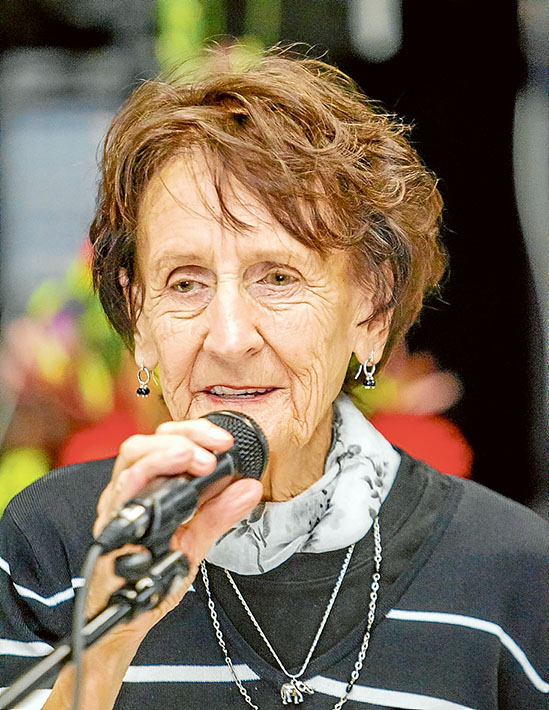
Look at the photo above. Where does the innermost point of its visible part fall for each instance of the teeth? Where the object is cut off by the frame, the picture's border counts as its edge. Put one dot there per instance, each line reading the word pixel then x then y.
pixel 225 391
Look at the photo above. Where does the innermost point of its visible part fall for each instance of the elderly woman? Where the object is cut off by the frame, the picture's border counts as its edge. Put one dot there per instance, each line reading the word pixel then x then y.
pixel 255 230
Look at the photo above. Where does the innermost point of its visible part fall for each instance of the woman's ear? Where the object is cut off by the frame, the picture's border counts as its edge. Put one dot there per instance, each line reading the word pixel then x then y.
pixel 371 336
pixel 373 325
pixel 145 352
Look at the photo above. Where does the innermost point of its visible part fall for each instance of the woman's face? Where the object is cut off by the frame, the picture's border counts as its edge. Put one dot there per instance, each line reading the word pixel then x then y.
pixel 253 322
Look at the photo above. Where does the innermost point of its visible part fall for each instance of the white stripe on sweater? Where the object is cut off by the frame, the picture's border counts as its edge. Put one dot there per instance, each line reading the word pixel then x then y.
pixel 4 565
pixel 188 674
pixel 55 599
pixel 383 696
pixel 8 647
pixel 34 701
pixel 221 674
pixel 471 622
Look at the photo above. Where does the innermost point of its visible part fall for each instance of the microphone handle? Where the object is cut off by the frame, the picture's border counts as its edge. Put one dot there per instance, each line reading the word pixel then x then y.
pixel 167 503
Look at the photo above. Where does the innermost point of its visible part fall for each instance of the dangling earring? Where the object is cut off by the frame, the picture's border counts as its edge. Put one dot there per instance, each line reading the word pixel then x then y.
pixel 143 377
pixel 368 369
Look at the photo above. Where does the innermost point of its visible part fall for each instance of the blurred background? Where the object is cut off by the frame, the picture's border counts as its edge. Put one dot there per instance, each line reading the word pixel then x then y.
pixel 469 391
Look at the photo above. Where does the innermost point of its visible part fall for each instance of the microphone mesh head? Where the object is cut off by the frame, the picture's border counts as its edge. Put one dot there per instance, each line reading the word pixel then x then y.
pixel 249 441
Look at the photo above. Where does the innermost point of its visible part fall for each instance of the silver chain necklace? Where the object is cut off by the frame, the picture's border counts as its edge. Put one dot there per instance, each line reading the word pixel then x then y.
pixel 294 690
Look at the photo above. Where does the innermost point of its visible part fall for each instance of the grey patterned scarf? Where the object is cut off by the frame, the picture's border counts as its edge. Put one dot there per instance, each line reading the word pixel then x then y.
pixel 334 512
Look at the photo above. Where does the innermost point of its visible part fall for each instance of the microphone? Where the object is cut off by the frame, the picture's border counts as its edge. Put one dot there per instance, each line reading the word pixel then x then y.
pixel 155 513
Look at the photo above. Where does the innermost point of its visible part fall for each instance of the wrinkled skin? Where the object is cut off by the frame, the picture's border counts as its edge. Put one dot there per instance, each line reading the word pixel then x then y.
pixel 256 309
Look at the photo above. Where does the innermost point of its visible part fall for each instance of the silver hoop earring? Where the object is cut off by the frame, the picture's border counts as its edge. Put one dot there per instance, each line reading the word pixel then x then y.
pixel 143 377
pixel 367 370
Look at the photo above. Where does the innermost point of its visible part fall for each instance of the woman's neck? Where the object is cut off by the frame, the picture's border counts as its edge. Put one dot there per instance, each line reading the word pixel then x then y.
pixel 293 470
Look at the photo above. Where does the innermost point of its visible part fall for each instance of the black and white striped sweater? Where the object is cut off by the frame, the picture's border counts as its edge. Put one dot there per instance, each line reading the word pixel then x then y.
pixel 460 621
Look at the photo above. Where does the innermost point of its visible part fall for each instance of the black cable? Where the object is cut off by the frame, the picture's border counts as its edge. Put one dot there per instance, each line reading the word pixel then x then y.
pixel 79 620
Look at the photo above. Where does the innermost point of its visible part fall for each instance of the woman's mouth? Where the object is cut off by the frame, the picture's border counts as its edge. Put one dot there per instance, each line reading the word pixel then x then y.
pixel 225 392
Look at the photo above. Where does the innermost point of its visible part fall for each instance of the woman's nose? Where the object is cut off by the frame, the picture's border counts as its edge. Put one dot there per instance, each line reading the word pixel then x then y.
pixel 232 328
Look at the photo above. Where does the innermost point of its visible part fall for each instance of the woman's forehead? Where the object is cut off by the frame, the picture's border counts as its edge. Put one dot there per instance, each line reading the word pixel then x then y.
pixel 184 189
pixel 181 209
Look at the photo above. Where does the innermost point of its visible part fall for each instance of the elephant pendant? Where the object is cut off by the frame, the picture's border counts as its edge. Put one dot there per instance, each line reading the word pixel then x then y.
pixel 293 691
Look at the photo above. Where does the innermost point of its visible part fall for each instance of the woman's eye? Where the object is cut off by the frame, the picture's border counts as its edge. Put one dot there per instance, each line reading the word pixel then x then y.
pixel 185 286
pixel 276 278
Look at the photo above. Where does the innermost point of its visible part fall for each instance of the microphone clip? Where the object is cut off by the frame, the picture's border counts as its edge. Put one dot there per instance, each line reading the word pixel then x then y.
pixel 149 578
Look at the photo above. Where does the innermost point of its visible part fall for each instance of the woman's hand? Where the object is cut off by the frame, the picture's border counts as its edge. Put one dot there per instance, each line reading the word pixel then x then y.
pixel 175 448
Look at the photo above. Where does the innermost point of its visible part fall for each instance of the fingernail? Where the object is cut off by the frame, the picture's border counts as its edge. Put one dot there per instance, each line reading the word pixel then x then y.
pixel 221 435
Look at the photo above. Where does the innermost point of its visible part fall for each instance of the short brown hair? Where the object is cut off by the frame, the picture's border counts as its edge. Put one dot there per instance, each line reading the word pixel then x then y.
pixel 329 165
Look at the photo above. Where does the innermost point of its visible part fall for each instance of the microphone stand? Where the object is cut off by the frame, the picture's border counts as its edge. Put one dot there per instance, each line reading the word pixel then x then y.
pixel 149 577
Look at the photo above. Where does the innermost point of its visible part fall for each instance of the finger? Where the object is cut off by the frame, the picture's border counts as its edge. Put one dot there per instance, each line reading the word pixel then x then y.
pixel 201 431
pixel 174 460
pixel 138 446
pixel 189 459
pixel 217 516
pixel 171 455
pixel 123 488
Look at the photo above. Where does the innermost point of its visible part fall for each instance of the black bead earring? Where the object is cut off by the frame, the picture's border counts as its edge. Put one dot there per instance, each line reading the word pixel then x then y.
pixel 143 377
pixel 367 370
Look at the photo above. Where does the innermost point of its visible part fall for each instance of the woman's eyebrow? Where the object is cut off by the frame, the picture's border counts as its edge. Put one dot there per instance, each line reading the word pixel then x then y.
pixel 279 254
pixel 260 255
pixel 163 261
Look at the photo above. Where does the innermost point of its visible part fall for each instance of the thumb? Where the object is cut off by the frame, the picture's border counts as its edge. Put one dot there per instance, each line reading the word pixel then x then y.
pixel 217 516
